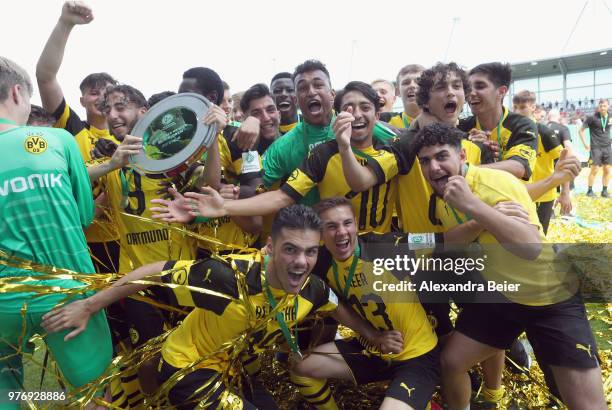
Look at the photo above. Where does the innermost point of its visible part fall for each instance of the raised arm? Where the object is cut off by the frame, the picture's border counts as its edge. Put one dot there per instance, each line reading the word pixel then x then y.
pixel 359 178
pixel 73 13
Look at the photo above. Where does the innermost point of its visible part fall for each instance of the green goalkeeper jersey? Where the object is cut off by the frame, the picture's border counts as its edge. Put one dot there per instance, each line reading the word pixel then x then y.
pixel 45 201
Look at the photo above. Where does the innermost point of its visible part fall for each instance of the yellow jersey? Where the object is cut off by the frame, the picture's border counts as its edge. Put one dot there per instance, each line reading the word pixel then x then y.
pixel 542 281
pixel 240 168
pixel 102 229
pixel 323 170
pixel 223 313
pixel 142 242
pixel 516 135
pixel 549 150
pixel 368 301
pixel 415 209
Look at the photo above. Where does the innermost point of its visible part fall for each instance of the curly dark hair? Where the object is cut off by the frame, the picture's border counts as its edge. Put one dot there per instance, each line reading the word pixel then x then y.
pixel 436 134
pixel 435 74
pixel 130 93
pixel 361 87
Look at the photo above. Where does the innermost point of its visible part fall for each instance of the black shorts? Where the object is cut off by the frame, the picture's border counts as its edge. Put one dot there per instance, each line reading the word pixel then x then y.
pixel 413 381
pixel 147 321
pixel 560 333
pixel 545 210
pixel 601 155
pixel 439 317
pixel 182 396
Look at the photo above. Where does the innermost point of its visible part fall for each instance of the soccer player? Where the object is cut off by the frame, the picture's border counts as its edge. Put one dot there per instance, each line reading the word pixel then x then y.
pixel 549 150
pixel 234 320
pixel 260 103
pixel 386 93
pixel 128 193
pixel 157 97
pixel 283 91
pixel 226 165
pixel 322 169
pixel 562 132
pixel 39 117
pixel 441 94
pixel 600 146
pixel 315 99
pixel 407 85
pixel 413 371
pixel 91 135
pixel 227 104
pixel 547 308
pixel 46 201
pixel 515 135
pixel 539 114
pixel 237 113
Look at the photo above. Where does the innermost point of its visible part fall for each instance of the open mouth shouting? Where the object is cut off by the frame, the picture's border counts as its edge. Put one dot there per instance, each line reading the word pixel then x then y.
pixel 283 105
pixel 344 248
pixel 450 107
pixel 315 107
pixel 343 245
pixel 440 183
pixel 296 278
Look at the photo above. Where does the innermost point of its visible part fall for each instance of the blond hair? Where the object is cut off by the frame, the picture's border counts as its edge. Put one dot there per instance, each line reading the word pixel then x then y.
pixel 12 74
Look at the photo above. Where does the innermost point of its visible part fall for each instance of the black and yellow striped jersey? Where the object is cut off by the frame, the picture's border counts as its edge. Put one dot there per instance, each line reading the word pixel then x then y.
pixel 404 314
pixel 414 192
pixel 230 301
pixel 323 169
pixel 102 228
pixel 142 241
pixel 549 150
pixel 238 167
pixel 397 119
pixel 516 135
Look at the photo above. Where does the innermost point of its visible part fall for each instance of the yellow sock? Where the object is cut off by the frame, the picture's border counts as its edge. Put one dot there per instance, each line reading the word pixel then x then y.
pixel 315 392
pixel 493 395
pixel 119 397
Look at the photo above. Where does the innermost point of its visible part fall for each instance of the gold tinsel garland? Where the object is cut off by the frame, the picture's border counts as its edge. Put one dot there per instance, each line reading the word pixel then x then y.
pixel 522 390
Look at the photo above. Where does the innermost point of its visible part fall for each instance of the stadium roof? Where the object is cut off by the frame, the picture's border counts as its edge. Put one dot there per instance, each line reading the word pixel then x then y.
pixel 558 65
